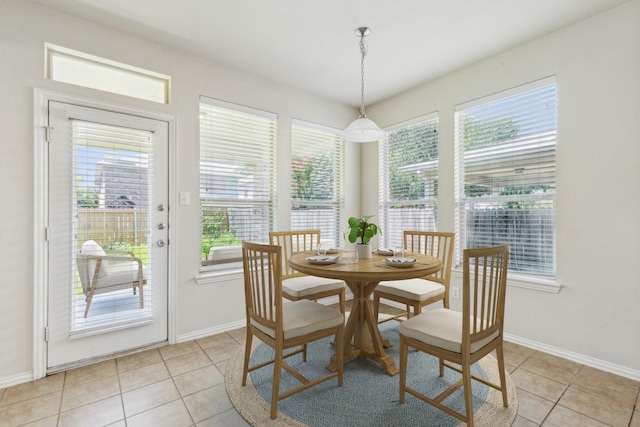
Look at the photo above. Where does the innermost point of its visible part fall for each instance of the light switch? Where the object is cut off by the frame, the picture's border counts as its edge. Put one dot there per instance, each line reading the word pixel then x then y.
pixel 184 198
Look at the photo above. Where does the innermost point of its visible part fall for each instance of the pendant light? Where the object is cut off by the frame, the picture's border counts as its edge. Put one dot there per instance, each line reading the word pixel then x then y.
pixel 363 129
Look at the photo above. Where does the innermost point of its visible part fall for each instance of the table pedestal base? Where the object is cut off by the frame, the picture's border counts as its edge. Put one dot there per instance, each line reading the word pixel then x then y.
pixel 361 336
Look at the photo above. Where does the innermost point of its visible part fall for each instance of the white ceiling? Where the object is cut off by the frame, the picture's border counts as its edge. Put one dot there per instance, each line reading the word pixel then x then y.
pixel 311 44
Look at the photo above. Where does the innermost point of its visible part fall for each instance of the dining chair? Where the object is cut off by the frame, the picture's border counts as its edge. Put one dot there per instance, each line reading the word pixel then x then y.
pixel 103 271
pixel 296 285
pixel 283 326
pixel 463 337
pixel 417 293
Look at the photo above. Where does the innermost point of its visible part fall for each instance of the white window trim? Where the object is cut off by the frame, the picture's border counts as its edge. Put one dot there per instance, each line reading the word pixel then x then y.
pixel 220 276
pixel 164 80
pixel 505 93
pixel 312 125
pixel 384 192
pixel 212 274
pixel 521 280
pixel 411 122
pixel 524 282
pixel 340 199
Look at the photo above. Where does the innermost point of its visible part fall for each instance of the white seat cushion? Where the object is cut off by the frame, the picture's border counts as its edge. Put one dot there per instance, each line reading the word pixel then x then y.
pixel 121 272
pixel 413 289
pixel 441 328
pixel 114 275
pixel 90 247
pixel 302 286
pixel 303 317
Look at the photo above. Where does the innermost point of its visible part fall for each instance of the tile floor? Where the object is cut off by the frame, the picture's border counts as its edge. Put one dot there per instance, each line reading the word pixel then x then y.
pixel 183 385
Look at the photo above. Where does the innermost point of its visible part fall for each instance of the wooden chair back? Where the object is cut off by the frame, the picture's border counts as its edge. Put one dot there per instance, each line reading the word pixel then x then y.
pixel 263 285
pixel 483 293
pixel 291 242
pixel 437 244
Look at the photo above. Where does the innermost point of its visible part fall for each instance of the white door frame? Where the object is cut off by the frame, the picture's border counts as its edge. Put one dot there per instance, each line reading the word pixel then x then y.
pixel 41 174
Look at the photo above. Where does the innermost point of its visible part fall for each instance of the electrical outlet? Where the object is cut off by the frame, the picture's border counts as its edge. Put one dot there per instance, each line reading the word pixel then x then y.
pixel 455 293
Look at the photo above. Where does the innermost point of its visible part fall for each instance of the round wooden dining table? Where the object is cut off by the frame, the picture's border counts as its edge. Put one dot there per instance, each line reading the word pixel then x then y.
pixel 362 337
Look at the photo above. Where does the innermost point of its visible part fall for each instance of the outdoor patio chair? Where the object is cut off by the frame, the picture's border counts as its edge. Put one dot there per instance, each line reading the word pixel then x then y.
pixel 103 271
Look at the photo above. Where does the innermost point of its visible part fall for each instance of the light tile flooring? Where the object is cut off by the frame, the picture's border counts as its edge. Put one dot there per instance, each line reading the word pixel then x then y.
pixel 183 385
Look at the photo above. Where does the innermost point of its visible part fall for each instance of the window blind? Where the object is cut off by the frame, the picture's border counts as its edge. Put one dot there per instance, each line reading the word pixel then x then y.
pixel 506 175
pixel 112 198
pixel 408 179
pixel 317 173
pixel 237 178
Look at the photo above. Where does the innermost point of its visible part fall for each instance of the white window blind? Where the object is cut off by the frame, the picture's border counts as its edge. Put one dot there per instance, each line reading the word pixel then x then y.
pixel 408 179
pixel 237 179
pixel 317 171
pixel 506 175
pixel 112 200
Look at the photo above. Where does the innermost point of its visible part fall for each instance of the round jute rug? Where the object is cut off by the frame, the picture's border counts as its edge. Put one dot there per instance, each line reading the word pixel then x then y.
pixel 343 404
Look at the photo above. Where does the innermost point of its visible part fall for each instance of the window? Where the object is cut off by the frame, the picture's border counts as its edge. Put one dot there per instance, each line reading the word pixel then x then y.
pixel 78 68
pixel 408 186
pixel 237 179
pixel 506 175
pixel 317 165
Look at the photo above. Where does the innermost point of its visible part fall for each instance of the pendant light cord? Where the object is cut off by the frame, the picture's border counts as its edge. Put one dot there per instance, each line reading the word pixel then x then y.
pixel 363 52
pixel 363 129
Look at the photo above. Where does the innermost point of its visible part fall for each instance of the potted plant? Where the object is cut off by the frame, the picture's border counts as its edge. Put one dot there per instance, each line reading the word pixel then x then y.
pixel 361 230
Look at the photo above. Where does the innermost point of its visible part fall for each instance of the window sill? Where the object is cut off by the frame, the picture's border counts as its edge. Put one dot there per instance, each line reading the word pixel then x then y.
pixel 211 277
pixel 524 282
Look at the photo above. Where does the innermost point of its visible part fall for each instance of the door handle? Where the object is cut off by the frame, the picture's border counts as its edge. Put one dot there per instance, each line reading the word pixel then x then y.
pixel 160 243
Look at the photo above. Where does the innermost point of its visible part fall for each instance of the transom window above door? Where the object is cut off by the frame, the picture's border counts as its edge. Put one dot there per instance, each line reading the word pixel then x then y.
pixel 83 69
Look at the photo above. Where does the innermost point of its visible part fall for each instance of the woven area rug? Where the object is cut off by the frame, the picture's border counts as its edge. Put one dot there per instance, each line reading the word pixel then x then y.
pixel 369 397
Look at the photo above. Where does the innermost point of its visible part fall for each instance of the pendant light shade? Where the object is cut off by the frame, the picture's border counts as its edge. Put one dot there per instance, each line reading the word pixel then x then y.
pixel 363 129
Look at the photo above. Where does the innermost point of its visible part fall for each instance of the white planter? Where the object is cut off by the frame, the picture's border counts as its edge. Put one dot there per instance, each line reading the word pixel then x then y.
pixel 363 250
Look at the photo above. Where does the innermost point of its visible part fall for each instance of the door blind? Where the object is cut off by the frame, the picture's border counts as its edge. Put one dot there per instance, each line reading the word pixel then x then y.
pixel 111 201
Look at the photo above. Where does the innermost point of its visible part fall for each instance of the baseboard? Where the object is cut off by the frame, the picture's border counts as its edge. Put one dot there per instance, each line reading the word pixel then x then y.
pixel 566 354
pixel 576 357
pixel 241 323
pixel 211 331
pixel 25 377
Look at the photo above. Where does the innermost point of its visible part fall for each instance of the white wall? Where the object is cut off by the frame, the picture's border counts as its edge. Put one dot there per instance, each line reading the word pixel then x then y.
pixel 24 29
pixel 596 315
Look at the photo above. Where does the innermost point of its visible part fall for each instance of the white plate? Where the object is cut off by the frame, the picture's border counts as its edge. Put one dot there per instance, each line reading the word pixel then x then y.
pixel 385 251
pixel 323 259
pixel 400 262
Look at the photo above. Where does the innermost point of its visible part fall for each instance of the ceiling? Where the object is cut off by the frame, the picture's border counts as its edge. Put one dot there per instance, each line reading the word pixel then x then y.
pixel 311 44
